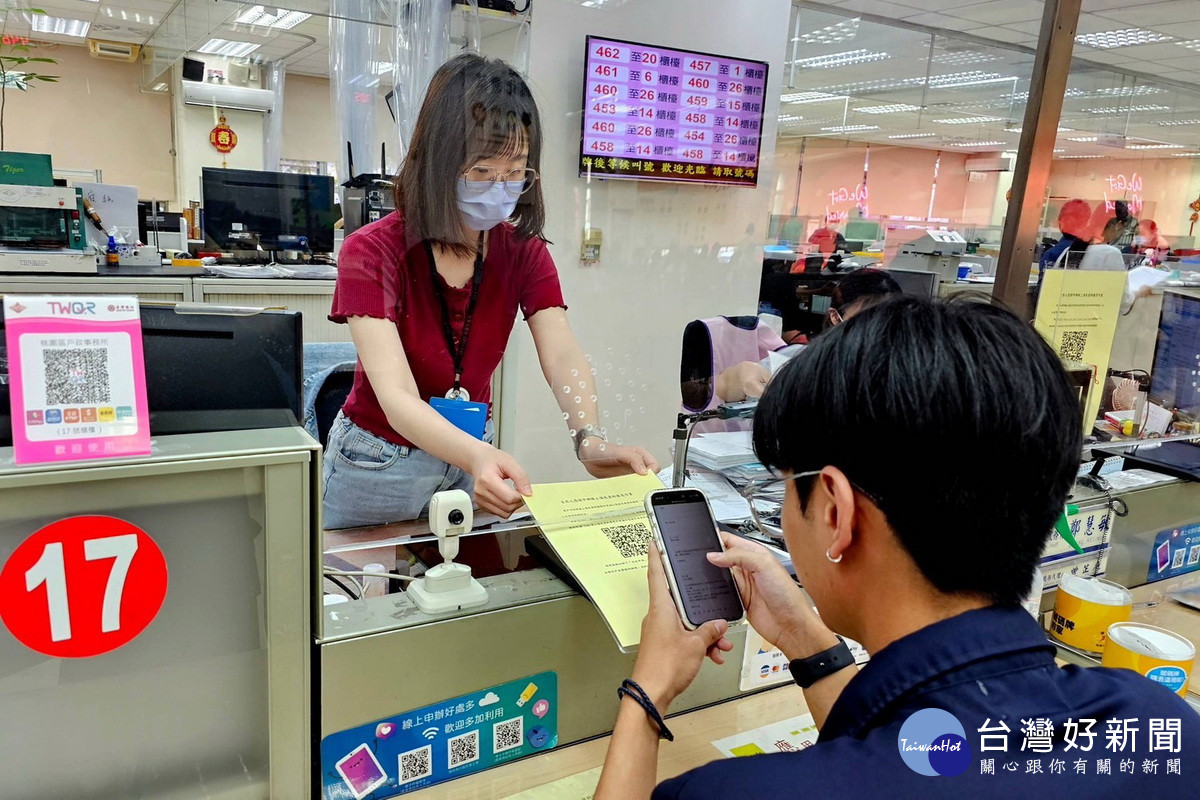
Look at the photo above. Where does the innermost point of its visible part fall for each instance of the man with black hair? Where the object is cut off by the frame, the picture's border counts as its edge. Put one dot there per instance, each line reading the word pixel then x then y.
pixel 921 481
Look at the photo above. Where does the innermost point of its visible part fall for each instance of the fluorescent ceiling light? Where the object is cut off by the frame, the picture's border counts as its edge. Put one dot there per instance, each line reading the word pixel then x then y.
pixel 958 59
pixel 1185 155
pixel 1125 37
pixel 1078 157
pixel 1169 122
pixel 977 144
pixel 225 47
pixel 275 18
pixel 1191 44
pixel 972 78
pixel 65 27
pixel 966 120
pixel 1083 138
pixel 912 135
pixel 891 108
pixel 1126 91
pixel 796 98
pixel 1019 128
pixel 1125 109
pixel 850 128
pixel 1060 150
pixel 790 118
pixel 1153 146
pixel 842 59
pixel 831 34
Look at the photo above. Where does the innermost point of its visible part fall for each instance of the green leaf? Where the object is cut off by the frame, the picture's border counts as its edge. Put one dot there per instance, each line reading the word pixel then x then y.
pixel 43 60
pixel 21 86
pixel 48 78
pixel 35 11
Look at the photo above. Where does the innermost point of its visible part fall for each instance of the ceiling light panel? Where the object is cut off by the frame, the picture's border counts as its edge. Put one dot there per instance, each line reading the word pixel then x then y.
pixel 850 128
pixel 977 144
pixel 831 34
pixel 1185 155
pixel 1172 122
pixel 971 78
pixel 913 135
pixel 961 58
pixel 842 59
pixel 966 120
pixel 1114 110
pixel 275 18
pixel 1083 138
pixel 891 108
pixel 64 27
pixel 1127 91
pixel 1076 158
pixel 1126 37
pixel 227 48
pixel 1191 44
pixel 1153 146
pixel 795 98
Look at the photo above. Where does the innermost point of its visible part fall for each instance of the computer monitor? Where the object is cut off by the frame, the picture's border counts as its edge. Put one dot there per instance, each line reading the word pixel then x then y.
pixel 921 284
pixel 209 371
pixel 252 210
pixel 865 229
pixel 1176 371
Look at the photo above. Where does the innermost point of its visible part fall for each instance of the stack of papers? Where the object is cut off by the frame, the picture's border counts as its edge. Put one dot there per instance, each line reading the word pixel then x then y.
pixel 724 450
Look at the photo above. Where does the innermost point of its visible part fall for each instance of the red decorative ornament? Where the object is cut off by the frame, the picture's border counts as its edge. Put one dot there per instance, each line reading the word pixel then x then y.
pixel 222 137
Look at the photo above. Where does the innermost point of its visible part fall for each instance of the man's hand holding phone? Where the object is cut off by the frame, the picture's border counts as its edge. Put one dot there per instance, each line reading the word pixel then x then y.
pixel 670 655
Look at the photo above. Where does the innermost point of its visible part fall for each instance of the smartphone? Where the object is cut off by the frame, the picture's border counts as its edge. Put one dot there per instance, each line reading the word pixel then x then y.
pixel 685 532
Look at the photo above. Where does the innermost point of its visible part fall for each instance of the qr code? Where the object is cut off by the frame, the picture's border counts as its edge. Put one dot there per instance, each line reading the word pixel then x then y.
pixel 76 376
pixel 508 734
pixel 464 749
pixel 416 764
pixel 630 540
pixel 1071 347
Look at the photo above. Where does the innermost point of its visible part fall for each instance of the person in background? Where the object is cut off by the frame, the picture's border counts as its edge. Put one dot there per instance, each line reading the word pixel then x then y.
pixel 1151 241
pixel 1073 222
pixel 856 291
pixel 988 424
pixel 1124 227
pixel 431 293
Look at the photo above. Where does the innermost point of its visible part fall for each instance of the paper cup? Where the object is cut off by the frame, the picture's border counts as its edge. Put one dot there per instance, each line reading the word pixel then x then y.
pixel 1084 608
pixel 1161 655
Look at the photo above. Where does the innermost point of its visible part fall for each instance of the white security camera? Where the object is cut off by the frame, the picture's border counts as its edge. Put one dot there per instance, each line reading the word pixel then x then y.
pixel 450 516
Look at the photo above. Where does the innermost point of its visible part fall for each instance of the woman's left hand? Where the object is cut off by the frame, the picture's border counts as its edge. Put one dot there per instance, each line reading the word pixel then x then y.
pixel 604 460
pixel 669 655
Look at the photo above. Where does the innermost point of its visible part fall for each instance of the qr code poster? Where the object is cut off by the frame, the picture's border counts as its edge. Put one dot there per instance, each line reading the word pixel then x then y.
pixel 443 741
pixel 77 378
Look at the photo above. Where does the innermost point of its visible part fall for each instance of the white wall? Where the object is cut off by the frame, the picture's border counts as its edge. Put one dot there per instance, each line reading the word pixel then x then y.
pixel 659 267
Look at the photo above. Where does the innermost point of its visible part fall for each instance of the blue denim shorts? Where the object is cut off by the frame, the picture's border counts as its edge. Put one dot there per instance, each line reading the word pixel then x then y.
pixel 371 481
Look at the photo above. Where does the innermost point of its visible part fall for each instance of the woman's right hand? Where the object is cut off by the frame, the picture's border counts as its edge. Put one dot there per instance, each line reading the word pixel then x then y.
pixel 492 468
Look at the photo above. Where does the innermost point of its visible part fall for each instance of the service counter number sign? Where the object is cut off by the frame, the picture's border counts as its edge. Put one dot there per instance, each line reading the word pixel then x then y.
pixel 82 586
pixel 443 741
pixel 77 378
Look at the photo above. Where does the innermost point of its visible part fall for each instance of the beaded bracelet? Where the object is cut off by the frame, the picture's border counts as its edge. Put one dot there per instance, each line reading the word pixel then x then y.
pixel 629 688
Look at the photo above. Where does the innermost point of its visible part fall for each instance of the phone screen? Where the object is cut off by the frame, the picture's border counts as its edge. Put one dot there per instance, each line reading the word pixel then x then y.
pixel 689 533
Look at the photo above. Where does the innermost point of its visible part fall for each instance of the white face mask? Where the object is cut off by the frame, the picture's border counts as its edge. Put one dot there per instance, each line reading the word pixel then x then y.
pixel 486 209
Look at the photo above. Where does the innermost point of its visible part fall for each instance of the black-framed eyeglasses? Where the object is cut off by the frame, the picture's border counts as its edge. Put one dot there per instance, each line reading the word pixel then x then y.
pixel 756 489
pixel 516 182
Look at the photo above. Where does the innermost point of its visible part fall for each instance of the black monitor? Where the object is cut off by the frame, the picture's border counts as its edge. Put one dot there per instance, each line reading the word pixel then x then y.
pixel 252 210
pixel 193 70
pixel 915 282
pixel 210 371
pixel 1175 378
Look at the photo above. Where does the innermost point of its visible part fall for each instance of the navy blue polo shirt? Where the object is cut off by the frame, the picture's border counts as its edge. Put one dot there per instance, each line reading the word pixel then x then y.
pixel 1024 727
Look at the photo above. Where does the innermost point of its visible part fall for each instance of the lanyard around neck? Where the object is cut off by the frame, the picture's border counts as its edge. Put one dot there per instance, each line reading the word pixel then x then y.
pixel 457 352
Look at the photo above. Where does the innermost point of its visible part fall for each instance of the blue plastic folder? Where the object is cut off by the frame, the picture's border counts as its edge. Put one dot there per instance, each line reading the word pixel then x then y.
pixel 466 416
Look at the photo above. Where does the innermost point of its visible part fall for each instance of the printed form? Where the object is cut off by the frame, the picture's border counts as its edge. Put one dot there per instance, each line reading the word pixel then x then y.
pixel 600 530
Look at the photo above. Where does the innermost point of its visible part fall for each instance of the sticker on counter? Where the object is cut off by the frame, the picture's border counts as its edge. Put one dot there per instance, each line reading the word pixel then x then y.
pixel 1176 551
pixel 443 741
pixel 78 378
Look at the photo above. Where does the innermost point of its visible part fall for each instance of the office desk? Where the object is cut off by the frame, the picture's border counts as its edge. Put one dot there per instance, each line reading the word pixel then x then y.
pixel 695 731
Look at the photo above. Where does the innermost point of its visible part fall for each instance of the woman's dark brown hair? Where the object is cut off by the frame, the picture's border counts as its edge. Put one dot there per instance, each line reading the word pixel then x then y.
pixel 475 108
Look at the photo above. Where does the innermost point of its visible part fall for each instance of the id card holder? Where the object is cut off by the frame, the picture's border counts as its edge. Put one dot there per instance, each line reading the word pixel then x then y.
pixel 468 417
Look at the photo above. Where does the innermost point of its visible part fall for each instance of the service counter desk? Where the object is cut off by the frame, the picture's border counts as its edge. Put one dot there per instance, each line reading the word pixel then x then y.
pixel 191 284
pixel 211 699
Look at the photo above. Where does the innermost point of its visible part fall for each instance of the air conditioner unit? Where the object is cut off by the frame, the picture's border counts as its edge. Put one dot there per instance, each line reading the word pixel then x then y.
pixel 990 163
pixel 116 51
pixel 222 95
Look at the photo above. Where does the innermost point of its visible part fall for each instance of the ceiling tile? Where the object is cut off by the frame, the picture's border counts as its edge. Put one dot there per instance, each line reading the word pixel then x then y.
pixel 1154 14
pixel 1004 35
pixel 1001 12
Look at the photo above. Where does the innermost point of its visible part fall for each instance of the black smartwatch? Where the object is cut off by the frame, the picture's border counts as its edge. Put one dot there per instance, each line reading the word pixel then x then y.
pixel 807 671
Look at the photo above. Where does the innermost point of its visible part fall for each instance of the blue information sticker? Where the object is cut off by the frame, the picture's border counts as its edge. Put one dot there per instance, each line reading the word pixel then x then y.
pixel 1171 677
pixel 1176 551
pixel 456 737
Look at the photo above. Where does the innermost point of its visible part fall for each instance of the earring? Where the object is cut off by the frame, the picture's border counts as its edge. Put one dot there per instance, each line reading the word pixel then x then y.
pixel 833 560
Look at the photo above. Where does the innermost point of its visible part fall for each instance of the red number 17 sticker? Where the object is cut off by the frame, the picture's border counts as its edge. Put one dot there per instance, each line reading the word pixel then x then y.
pixel 82 586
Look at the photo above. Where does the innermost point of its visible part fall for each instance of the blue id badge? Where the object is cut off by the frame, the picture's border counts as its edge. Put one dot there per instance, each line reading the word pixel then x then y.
pixel 466 416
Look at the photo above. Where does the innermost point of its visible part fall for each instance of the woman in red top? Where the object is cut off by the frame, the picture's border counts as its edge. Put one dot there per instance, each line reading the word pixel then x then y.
pixel 431 293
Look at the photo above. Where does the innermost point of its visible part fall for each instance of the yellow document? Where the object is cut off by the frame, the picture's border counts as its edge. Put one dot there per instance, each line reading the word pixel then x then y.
pixel 600 531
pixel 1077 314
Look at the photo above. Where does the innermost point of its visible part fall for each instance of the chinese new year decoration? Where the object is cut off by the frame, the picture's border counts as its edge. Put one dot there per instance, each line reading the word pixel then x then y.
pixel 222 137
pixel 1195 207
